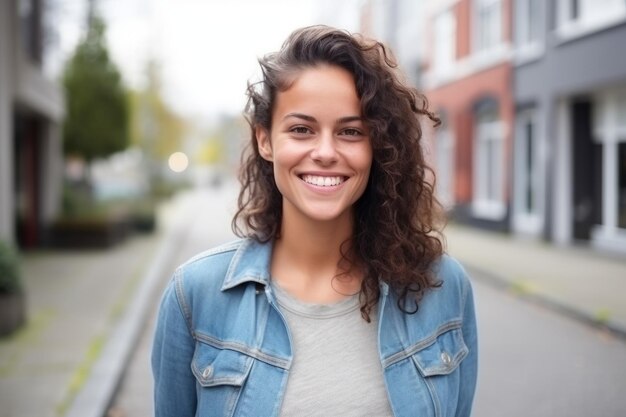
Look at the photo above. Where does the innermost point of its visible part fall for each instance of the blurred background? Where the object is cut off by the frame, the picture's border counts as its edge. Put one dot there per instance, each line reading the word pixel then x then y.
pixel 121 131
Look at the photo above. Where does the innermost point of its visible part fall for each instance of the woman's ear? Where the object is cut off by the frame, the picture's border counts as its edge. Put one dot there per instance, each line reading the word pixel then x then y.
pixel 264 143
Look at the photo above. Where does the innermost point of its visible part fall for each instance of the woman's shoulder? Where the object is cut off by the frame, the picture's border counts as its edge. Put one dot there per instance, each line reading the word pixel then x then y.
pixel 452 275
pixel 226 266
pixel 449 268
pixel 209 266
pixel 214 254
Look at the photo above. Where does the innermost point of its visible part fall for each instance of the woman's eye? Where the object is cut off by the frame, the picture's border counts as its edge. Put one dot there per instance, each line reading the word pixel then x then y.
pixel 301 130
pixel 352 132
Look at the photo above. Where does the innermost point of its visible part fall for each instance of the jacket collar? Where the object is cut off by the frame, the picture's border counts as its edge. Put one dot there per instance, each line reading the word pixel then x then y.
pixel 251 263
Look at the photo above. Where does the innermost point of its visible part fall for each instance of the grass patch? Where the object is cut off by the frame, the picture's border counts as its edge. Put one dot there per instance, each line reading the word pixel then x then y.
pixel 81 374
pixel 522 287
pixel 602 315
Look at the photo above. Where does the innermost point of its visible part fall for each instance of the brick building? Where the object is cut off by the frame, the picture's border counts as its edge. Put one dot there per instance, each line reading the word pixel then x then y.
pixel 467 78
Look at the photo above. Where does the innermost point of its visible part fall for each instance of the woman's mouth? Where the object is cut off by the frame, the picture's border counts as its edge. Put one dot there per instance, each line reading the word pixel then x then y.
pixel 323 181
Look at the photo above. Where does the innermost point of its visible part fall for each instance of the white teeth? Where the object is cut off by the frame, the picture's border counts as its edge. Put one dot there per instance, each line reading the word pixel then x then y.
pixel 322 181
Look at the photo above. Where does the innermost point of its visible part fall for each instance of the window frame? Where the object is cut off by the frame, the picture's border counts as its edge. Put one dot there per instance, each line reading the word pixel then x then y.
pixel 528 180
pixel 446 66
pixel 570 27
pixel 445 159
pixel 489 197
pixel 477 45
pixel 527 47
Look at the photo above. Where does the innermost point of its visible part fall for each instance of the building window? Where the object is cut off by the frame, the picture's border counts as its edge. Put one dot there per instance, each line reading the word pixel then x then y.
pixel 489 166
pixel 577 17
pixel 29 12
pixel 621 191
pixel 445 42
pixel 488 25
pixel 445 165
pixel 528 175
pixel 529 22
pixel 609 132
pixel 528 151
pixel 620 119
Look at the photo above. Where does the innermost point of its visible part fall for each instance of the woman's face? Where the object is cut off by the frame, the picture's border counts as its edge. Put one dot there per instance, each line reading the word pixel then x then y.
pixel 319 145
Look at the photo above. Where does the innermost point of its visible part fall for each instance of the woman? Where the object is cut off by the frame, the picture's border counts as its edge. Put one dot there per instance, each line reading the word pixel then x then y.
pixel 338 300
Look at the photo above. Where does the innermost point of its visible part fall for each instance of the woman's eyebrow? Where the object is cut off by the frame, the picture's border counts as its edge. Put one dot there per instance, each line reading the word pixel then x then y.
pixel 301 116
pixel 341 120
pixel 349 119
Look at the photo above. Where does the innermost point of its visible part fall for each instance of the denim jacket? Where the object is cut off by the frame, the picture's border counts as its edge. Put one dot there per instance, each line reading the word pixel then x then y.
pixel 222 346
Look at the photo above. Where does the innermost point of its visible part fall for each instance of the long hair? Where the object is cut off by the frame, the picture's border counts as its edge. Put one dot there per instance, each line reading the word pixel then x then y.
pixel 397 234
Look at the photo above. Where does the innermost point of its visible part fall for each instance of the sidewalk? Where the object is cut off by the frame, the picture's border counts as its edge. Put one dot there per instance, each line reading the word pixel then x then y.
pixel 84 309
pixel 580 282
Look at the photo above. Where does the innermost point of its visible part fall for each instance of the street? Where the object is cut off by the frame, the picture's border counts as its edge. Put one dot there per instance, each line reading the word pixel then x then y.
pixel 534 362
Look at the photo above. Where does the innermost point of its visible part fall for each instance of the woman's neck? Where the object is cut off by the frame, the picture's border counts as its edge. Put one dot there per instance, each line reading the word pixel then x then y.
pixel 306 259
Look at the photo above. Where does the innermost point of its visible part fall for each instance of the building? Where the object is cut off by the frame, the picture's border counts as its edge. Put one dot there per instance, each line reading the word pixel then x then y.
pixel 399 24
pixel 467 78
pixel 570 132
pixel 532 95
pixel 31 111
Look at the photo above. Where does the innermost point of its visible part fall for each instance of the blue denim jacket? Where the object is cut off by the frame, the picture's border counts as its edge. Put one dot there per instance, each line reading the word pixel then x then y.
pixel 222 347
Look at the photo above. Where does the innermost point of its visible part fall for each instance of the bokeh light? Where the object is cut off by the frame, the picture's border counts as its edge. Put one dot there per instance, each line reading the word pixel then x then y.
pixel 178 161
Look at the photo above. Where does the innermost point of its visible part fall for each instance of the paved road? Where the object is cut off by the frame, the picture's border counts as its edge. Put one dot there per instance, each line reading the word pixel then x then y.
pixel 533 362
pixel 537 363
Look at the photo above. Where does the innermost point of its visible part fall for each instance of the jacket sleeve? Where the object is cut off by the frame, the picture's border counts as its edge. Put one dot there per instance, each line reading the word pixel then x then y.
pixel 172 352
pixel 469 365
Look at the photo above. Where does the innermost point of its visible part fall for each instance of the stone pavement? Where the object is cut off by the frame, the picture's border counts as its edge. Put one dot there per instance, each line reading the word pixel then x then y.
pixel 581 282
pixel 84 310
pixel 87 308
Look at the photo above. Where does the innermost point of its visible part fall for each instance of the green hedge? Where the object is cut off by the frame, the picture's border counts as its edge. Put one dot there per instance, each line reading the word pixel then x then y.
pixel 10 278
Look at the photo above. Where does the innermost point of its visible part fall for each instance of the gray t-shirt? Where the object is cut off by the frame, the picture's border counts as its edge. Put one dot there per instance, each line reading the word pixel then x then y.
pixel 336 368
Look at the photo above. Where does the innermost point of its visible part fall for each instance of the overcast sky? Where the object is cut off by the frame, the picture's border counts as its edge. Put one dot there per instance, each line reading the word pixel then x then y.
pixel 207 48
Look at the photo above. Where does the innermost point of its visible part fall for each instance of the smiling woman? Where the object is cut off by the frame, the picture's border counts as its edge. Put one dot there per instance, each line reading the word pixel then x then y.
pixel 338 299
pixel 320 150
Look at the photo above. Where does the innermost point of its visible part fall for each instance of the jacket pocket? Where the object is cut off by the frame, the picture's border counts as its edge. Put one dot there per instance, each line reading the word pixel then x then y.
pixel 221 375
pixel 442 356
pixel 437 363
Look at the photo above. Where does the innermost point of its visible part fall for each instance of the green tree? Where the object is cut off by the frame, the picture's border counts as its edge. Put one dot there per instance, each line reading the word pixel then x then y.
pixel 96 124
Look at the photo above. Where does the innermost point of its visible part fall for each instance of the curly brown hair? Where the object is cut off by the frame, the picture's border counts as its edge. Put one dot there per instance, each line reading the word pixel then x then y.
pixel 397 234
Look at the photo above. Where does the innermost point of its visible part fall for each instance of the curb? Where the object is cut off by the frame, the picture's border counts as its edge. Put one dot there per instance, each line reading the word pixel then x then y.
pixel 96 396
pixel 500 283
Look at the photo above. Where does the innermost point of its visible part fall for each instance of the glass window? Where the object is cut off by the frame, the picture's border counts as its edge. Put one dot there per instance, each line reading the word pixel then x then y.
pixel 489 166
pixel 529 20
pixel 590 11
pixel 445 42
pixel 445 165
pixel 529 169
pixel 29 12
pixel 621 181
pixel 488 24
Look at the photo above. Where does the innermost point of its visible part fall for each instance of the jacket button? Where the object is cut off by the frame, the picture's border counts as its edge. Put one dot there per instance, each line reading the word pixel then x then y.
pixel 445 358
pixel 207 372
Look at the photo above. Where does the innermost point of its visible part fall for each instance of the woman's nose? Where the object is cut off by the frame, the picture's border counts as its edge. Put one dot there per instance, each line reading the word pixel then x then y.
pixel 325 150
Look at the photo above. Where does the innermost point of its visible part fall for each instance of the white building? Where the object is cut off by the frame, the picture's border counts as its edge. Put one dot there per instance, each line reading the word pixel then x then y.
pixel 31 111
